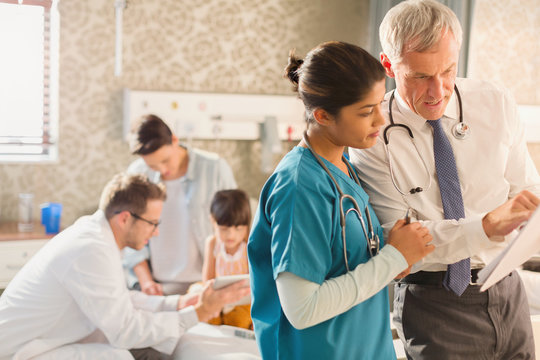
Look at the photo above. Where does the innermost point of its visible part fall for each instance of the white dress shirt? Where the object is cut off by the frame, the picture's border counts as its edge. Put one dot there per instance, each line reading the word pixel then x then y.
pixel 493 164
pixel 74 286
pixel 177 252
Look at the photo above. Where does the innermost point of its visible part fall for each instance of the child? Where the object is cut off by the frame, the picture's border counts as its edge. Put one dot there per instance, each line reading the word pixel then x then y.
pixel 225 252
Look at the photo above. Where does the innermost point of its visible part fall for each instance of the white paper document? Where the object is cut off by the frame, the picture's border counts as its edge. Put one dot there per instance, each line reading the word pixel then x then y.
pixel 522 248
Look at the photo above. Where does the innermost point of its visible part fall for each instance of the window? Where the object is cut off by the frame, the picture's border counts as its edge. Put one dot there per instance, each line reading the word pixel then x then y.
pixel 29 73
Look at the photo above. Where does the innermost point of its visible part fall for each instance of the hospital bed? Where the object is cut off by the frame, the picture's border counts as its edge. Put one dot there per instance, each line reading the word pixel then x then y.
pixel 210 342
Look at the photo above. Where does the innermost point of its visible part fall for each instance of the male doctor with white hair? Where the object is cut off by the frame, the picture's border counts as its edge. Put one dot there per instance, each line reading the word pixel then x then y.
pixel 469 179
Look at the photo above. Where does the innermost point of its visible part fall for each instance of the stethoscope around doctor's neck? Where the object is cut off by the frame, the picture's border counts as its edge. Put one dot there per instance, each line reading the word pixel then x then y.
pixel 461 131
pixel 372 239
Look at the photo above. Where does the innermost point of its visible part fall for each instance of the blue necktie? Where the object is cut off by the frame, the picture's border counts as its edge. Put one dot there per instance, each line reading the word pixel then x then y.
pixel 458 274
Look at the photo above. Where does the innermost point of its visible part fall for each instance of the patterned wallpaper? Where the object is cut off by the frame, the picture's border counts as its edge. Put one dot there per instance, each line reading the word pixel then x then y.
pixel 505 49
pixel 236 46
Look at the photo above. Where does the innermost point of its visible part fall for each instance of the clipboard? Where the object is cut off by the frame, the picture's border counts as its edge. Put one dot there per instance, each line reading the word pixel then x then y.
pixel 525 245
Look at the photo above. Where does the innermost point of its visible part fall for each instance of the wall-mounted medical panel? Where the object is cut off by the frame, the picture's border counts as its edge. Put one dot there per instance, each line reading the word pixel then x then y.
pixel 217 116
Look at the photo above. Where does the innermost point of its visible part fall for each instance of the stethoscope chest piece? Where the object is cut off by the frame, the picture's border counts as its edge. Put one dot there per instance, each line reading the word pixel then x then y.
pixel 461 130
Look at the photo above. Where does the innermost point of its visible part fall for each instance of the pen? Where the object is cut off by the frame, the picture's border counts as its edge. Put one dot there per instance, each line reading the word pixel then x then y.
pixel 407 217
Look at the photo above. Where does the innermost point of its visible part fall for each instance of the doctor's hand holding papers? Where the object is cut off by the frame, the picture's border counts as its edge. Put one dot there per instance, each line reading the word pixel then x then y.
pixel 74 289
pixel 510 215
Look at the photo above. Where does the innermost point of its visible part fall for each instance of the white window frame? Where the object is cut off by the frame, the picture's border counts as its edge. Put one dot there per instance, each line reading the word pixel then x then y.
pixel 44 148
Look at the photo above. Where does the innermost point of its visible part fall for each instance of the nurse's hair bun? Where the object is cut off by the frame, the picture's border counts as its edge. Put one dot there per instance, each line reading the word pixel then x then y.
pixel 293 68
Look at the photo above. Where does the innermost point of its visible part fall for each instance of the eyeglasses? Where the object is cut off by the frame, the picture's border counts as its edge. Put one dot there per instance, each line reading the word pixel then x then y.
pixel 154 224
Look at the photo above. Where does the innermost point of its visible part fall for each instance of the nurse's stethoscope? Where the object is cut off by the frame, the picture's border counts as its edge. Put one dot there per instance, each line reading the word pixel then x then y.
pixel 372 239
pixel 461 131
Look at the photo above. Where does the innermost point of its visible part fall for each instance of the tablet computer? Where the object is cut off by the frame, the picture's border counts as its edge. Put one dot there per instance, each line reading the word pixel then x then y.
pixel 222 281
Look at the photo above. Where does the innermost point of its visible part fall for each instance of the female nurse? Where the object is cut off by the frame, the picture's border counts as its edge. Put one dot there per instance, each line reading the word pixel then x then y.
pixel 318 290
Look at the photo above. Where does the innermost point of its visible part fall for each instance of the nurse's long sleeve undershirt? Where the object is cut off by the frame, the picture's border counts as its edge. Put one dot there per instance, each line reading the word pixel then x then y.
pixel 306 303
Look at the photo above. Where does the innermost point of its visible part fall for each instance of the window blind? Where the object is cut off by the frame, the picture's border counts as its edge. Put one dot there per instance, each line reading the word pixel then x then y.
pixel 27 128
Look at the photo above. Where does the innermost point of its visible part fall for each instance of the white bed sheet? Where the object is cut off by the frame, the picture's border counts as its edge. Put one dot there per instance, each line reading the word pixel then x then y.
pixel 211 342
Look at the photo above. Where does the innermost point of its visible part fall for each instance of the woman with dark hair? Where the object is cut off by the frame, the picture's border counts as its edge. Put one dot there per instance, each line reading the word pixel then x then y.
pixel 172 261
pixel 318 278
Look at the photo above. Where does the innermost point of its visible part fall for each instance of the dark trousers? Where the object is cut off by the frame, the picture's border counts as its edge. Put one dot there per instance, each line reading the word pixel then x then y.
pixel 434 323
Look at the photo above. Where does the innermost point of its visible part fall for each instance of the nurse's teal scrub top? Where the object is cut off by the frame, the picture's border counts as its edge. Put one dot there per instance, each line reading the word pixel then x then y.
pixel 296 229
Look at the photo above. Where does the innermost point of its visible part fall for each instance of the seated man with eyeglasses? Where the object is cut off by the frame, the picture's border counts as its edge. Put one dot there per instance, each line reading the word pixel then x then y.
pixel 70 300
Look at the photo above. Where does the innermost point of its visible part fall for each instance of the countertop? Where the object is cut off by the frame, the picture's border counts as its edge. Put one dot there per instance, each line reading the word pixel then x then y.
pixel 9 232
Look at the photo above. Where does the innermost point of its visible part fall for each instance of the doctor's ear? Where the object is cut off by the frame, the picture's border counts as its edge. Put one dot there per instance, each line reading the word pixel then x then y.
pixel 322 117
pixel 123 217
pixel 385 61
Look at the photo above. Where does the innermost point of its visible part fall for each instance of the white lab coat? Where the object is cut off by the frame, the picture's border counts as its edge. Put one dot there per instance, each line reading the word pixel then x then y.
pixel 75 285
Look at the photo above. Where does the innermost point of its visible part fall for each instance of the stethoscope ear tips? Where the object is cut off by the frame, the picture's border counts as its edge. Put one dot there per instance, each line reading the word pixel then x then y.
pixel 416 190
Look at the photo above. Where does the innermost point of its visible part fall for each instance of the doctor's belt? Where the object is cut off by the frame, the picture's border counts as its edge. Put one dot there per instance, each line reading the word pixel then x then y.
pixel 433 278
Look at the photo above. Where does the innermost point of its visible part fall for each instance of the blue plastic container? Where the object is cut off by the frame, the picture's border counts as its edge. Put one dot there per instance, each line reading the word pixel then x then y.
pixel 51 214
